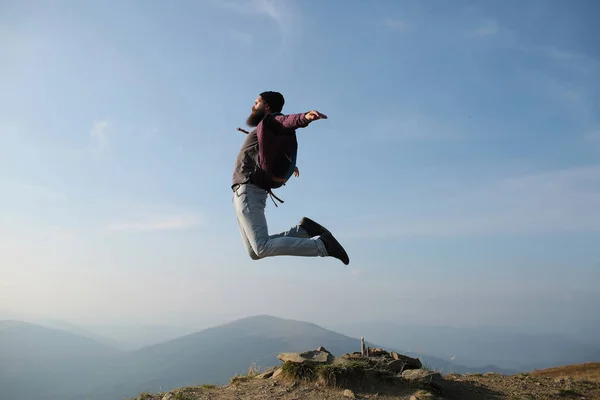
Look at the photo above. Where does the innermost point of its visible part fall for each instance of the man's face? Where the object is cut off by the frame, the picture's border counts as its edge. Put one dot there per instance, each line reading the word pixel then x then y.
pixel 258 112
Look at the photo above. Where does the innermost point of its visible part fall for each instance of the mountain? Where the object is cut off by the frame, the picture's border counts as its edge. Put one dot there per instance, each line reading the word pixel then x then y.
pixel 137 336
pixel 215 354
pixel 125 336
pixel 42 363
pixel 81 331
pixel 479 346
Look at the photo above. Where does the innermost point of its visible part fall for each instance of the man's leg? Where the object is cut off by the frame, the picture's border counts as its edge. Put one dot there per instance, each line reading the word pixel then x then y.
pixel 296 231
pixel 250 202
pixel 246 242
pixel 306 228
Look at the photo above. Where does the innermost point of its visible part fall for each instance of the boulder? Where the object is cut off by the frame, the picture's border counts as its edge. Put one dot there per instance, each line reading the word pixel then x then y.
pixel 398 366
pixel 313 357
pixel 423 395
pixel 278 372
pixel 268 373
pixel 377 352
pixel 420 375
pixel 409 362
pixel 321 348
pixel 423 377
pixel 354 355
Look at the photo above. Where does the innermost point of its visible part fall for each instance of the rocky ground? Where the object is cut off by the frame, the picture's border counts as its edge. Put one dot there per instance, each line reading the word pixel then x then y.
pixel 384 376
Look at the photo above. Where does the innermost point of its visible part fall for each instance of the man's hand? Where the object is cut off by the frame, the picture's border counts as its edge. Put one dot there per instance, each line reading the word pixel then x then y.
pixel 314 115
pixel 296 172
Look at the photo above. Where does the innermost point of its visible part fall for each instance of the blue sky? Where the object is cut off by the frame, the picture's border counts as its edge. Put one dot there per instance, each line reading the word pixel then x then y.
pixel 460 164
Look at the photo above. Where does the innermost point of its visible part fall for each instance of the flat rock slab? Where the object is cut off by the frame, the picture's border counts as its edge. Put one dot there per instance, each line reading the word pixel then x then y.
pixel 423 377
pixel 268 373
pixel 409 362
pixel 355 355
pixel 313 357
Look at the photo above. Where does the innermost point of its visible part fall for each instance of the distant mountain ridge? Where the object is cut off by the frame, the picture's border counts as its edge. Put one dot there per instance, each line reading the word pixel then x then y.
pixel 96 371
pixel 479 346
pixel 123 337
pixel 43 363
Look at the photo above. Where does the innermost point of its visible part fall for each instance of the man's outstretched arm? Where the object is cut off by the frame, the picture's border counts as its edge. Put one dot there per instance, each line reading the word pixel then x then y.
pixel 295 121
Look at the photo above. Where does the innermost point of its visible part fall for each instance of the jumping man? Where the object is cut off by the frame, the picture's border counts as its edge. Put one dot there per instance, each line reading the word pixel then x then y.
pixel 266 160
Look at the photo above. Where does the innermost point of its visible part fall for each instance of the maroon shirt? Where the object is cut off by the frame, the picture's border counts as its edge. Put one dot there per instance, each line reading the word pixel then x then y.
pixel 259 148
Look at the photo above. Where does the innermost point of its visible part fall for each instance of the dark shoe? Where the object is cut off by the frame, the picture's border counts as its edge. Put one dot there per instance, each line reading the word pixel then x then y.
pixel 334 248
pixel 311 227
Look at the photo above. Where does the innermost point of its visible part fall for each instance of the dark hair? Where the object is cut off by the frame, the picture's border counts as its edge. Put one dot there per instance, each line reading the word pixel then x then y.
pixel 275 100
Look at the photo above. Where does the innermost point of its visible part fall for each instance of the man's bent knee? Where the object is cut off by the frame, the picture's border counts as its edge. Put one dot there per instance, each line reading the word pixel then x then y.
pixel 253 255
pixel 259 251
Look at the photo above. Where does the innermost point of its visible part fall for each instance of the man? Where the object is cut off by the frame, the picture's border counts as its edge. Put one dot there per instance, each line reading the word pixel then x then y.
pixel 253 180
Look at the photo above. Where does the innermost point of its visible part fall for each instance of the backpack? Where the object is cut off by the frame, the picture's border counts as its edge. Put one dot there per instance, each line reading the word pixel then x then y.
pixel 284 163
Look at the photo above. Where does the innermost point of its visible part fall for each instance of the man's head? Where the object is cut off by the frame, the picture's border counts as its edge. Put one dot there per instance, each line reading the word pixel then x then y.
pixel 265 103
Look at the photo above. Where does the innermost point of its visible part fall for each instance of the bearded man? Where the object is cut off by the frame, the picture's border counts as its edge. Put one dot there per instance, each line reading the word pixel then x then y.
pixel 265 161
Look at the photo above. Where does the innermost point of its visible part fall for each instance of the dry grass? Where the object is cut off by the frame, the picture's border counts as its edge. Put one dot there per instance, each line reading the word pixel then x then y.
pixel 253 371
pixel 347 374
pixel 586 371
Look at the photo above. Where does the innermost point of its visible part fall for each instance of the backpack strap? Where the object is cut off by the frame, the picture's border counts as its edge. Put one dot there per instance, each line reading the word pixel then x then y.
pixel 271 194
pixel 269 191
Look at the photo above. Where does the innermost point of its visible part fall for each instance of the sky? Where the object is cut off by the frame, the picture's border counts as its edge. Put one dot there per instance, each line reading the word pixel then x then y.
pixel 459 165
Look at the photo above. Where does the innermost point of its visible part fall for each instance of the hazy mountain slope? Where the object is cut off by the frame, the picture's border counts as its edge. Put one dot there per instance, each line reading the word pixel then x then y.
pixel 215 354
pixel 137 336
pixel 39 363
pixel 479 346
pixel 43 363
pixel 81 331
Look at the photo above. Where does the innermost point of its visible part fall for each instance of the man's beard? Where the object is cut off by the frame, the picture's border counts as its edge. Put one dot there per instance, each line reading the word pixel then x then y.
pixel 255 117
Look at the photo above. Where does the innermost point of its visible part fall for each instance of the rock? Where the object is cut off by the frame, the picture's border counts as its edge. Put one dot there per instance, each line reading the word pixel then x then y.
pixel 411 363
pixel 402 365
pixel 377 352
pixel 313 357
pixel 356 354
pixel 268 373
pixel 168 396
pixel 349 394
pixel 396 366
pixel 423 395
pixel 277 373
pixel 321 348
pixel 423 377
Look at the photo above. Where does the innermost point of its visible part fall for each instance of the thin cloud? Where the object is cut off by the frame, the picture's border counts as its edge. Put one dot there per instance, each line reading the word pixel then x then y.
pixel 488 28
pixel 418 127
pixel 278 11
pixel 593 136
pixel 550 202
pixel 156 223
pixel 395 24
pixel 241 37
pixel 562 55
pixel 99 133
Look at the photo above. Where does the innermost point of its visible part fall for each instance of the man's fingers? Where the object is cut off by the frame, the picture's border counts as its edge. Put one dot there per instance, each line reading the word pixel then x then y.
pixel 313 115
